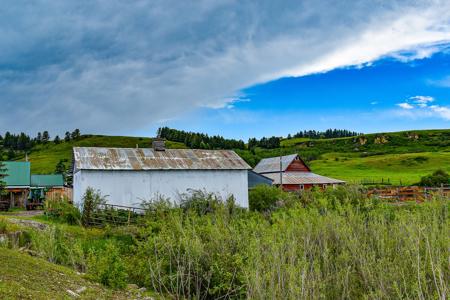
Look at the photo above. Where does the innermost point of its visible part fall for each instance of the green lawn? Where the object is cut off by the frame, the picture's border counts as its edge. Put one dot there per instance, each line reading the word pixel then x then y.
pixel 407 168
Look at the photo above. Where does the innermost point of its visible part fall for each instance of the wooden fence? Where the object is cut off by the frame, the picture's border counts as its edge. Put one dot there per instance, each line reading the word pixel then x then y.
pixel 59 194
pixel 411 193
pixel 117 215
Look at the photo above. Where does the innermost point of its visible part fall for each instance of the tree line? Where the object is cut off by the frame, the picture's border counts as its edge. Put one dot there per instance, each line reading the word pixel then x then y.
pixel 24 142
pixel 197 140
pixel 267 143
pixel 327 134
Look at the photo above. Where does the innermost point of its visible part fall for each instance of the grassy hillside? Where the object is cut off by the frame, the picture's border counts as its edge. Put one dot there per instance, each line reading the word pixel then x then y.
pixel 405 168
pixel 26 277
pixel 398 156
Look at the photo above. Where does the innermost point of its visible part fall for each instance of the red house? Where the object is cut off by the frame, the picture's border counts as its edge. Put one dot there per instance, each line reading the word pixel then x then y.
pixel 292 173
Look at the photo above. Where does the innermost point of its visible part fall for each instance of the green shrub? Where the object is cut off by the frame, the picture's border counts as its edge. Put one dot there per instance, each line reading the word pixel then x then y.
pixel 267 198
pixel 107 267
pixel 199 201
pixel 92 199
pixel 62 210
pixel 438 178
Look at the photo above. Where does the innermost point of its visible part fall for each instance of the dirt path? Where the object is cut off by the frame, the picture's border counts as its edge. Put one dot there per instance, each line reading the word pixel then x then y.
pixel 25 213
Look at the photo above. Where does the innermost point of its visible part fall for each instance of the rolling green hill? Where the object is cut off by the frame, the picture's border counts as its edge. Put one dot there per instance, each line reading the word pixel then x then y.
pixel 398 157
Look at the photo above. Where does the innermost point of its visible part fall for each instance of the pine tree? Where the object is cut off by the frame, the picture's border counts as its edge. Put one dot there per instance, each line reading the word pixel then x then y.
pixel 67 136
pixel 76 134
pixel 3 174
pixel 45 137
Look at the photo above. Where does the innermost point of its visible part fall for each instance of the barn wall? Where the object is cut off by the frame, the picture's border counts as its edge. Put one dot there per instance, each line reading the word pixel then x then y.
pixel 130 188
pixel 297 166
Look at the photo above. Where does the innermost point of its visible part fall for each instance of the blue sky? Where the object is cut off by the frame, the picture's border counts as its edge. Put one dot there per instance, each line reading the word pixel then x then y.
pixel 235 68
pixel 366 99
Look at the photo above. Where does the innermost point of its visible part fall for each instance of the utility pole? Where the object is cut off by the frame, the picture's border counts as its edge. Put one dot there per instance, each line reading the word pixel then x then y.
pixel 281 172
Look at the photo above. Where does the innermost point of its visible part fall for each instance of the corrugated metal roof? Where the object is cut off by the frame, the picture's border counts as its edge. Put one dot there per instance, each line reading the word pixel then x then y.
pixel 18 173
pixel 302 178
pixel 55 180
pixel 93 158
pixel 272 164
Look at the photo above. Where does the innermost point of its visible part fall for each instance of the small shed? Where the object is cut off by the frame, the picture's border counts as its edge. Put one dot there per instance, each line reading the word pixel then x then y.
pixel 42 186
pixel 293 173
pixel 17 183
pixel 130 176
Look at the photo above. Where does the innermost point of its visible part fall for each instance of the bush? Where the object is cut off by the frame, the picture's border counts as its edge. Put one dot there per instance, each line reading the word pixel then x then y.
pixel 438 178
pixel 92 199
pixel 106 266
pixel 199 201
pixel 267 198
pixel 62 210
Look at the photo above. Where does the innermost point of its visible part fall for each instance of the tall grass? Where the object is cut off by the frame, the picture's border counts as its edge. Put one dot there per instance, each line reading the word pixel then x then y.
pixel 316 245
pixel 335 248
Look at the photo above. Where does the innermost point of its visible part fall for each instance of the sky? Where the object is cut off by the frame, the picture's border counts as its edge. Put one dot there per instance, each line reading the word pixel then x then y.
pixel 236 68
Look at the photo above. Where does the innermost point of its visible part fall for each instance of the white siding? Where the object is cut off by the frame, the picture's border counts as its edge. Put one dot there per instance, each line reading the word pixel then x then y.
pixel 130 188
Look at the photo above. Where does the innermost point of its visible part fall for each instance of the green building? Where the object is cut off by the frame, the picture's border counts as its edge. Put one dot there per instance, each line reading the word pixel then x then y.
pixel 23 189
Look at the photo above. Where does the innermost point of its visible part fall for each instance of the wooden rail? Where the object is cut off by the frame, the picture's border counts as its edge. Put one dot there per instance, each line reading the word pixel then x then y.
pixel 117 215
pixel 413 193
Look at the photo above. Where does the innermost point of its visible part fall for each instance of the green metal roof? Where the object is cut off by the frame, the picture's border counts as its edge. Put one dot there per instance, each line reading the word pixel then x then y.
pixel 47 180
pixel 18 173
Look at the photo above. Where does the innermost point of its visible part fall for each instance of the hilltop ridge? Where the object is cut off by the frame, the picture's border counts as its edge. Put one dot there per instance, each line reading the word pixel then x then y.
pixel 397 156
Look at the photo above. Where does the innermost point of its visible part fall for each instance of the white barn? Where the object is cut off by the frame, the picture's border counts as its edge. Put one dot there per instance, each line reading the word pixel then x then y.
pixel 128 176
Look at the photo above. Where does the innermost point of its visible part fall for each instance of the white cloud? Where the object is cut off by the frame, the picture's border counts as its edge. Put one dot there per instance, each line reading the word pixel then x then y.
pixel 441 111
pixel 88 64
pixel 405 105
pixel 374 103
pixel 444 82
pixel 418 108
pixel 422 99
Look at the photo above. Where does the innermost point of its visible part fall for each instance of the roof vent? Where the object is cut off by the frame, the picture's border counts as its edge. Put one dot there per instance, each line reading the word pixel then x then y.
pixel 158 144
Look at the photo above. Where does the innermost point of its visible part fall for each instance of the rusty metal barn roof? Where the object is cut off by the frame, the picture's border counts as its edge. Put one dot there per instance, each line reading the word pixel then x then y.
pixel 93 158
pixel 302 178
pixel 272 164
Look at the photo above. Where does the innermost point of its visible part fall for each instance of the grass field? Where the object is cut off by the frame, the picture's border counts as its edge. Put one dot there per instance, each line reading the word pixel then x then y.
pixel 398 168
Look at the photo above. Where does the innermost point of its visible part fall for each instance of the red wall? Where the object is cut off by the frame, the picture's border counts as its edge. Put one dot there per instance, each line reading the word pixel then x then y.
pixel 296 187
pixel 297 166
